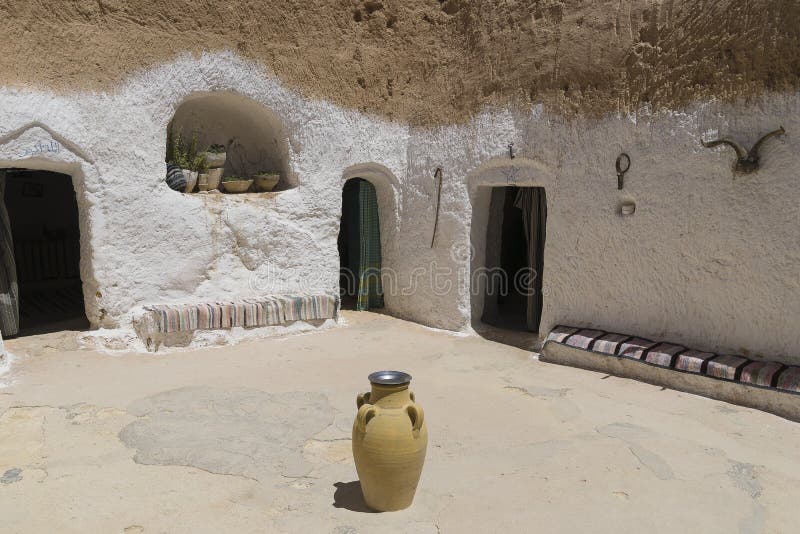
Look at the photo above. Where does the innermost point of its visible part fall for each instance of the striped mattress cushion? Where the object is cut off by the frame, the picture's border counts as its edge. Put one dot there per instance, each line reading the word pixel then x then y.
pixel 726 366
pixel 693 361
pixel 789 380
pixel 761 373
pixel 609 343
pixel 729 367
pixel 583 339
pixel 248 313
pixel 635 348
pixel 664 354
pixel 560 333
pixel 307 307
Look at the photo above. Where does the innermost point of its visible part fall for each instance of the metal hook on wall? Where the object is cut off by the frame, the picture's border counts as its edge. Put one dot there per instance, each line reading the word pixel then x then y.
pixel 747 161
pixel 437 174
pixel 620 171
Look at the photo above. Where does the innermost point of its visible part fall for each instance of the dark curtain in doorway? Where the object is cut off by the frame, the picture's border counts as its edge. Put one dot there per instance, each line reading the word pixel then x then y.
pixel 533 203
pixel 363 242
pixel 9 290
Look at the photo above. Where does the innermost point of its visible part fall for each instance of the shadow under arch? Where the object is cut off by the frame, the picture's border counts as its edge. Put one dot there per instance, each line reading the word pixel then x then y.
pixel 387 189
pixel 500 172
pixel 253 135
pixel 37 147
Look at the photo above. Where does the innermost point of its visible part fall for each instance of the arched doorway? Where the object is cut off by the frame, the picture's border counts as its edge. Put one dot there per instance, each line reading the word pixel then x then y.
pixel 508 230
pixel 360 255
pixel 40 279
pixel 515 240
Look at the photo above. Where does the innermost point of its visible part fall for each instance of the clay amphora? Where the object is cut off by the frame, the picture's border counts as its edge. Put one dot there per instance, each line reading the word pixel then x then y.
pixel 389 442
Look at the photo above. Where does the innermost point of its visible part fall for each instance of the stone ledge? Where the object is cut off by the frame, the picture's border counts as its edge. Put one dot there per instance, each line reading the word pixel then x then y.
pixel 764 385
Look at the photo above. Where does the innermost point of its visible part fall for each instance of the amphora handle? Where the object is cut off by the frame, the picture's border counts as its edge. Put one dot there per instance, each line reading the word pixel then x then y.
pixel 417 416
pixel 363 398
pixel 365 413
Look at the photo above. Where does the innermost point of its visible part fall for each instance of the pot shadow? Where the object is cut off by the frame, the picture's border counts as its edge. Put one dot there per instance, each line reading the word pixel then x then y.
pixel 348 495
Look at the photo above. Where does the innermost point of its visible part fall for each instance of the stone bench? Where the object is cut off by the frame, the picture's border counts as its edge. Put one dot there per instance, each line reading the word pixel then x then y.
pixel 765 385
pixel 160 322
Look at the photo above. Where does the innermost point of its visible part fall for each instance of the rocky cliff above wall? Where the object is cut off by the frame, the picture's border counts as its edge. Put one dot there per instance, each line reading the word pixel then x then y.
pixel 427 61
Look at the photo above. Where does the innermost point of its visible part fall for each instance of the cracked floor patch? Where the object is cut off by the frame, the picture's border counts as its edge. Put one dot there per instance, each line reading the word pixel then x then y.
pixel 631 435
pixel 240 432
pixel 558 404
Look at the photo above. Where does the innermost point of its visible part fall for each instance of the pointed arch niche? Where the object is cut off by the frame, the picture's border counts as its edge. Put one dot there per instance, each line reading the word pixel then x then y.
pixel 254 137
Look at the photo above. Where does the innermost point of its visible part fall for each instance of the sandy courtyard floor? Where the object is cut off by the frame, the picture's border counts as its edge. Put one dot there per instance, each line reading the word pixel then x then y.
pixel 256 438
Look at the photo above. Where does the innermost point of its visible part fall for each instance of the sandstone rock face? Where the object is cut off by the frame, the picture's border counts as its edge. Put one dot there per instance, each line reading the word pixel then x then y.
pixel 426 61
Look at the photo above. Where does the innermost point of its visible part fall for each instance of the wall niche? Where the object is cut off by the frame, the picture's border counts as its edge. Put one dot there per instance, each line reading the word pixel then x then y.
pixel 253 137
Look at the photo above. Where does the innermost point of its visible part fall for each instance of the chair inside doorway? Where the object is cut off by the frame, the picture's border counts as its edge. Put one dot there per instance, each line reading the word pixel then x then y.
pixel 515 258
pixel 40 284
pixel 360 259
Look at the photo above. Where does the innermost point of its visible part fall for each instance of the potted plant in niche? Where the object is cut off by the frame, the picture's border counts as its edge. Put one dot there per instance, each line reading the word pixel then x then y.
pixel 267 180
pixel 236 184
pixel 185 156
pixel 200 167
pixel 215 157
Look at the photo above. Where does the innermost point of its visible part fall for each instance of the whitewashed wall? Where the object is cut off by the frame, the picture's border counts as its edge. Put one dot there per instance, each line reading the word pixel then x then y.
pixel 709 258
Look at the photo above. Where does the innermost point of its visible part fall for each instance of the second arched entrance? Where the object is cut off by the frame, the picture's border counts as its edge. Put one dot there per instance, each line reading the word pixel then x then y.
pixel 360 254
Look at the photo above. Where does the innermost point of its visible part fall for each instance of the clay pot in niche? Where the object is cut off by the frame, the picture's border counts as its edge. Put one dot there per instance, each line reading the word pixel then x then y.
pixel 202 182
pixel 266 181
pixel 191 180
pixel 237 186
pixel 389 442
pixel 215 160
pixel 214 178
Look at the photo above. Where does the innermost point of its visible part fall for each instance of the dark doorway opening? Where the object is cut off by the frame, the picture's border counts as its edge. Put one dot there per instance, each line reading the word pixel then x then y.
pixel 515 258
pixel 43 213
pixel 360 283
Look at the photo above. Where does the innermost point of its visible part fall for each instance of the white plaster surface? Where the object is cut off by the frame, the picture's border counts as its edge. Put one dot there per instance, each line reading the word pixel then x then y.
pixel 5 363
pixel 709 259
